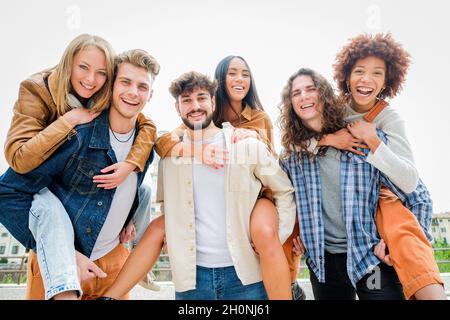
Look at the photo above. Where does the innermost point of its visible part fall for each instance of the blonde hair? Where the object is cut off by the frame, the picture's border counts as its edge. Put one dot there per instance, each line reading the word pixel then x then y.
pixel 63 71
pixel 139 58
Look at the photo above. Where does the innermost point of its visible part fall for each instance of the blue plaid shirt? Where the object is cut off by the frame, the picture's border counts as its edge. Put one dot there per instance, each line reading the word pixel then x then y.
pixel 360 186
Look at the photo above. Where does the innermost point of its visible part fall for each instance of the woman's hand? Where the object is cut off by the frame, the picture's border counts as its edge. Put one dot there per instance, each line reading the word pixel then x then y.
pixel 241 134
pixel 79 116
pixel 121 170
pixel 211 155
pixel 365 131
pixel 343 140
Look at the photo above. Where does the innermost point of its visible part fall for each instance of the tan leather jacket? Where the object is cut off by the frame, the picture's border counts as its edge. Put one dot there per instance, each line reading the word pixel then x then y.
pixel 36 131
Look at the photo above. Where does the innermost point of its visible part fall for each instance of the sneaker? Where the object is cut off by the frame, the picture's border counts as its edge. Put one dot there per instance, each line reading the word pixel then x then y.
pixel 297 292
pixel 149 282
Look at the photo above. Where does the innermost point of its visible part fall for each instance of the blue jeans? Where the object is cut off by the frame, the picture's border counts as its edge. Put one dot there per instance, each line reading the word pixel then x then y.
pixel 141 218
pixel 52 229
pixel 222 284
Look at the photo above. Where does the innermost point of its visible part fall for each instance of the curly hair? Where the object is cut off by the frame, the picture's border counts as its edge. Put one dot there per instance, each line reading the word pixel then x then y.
pixel 380 45
pixel 294 134
pixel 189 81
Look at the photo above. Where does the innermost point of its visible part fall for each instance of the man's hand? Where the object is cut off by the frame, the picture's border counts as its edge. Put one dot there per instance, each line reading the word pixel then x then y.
pixel 128 233
pixel 299 247
pixel 121 170
pixel 343 140
pixel 254 248
pixel 165 250
pixel 380 253
pixel 87 269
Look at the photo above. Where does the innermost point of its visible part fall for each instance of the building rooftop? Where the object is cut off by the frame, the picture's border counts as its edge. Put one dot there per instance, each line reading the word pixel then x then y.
pixel 442 215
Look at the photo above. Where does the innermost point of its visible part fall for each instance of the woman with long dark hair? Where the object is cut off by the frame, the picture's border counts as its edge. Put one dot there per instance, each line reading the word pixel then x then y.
pixel 237 102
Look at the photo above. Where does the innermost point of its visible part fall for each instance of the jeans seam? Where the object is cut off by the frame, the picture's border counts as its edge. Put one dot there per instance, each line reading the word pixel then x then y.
pixel 62 288
pixel 46 271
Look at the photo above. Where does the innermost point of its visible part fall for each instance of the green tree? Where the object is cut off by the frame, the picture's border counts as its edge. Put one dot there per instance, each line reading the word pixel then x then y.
pixel 442 256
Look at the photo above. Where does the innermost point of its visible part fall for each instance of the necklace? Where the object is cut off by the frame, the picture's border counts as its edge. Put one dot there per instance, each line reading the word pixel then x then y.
pixel 122 141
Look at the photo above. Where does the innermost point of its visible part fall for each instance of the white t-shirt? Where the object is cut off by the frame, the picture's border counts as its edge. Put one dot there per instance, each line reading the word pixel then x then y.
pixel 210 212
pixel 122 201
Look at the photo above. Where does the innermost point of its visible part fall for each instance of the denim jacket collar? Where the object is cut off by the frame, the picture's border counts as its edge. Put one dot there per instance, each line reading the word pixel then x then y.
pixel 100 134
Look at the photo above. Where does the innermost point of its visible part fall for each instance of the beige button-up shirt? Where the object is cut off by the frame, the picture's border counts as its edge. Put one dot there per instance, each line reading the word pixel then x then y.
pixel 251 166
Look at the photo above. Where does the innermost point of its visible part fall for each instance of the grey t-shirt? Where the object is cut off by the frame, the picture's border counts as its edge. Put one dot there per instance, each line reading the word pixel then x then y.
pixel 333 218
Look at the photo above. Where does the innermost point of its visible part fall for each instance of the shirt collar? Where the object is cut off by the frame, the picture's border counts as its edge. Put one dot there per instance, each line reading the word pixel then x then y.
pixel 247 112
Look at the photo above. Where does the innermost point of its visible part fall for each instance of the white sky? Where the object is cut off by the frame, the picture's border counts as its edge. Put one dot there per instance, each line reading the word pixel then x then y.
pixel 275 37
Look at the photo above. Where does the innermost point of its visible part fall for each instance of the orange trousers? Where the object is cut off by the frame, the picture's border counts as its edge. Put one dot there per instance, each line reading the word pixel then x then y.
pixel 411 253
pixel 111 264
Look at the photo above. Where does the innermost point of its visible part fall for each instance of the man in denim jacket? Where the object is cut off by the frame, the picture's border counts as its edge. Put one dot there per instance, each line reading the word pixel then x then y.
pixel 97 215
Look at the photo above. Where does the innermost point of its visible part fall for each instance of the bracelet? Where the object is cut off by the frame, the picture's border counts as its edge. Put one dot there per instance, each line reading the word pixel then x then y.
pixel 105 298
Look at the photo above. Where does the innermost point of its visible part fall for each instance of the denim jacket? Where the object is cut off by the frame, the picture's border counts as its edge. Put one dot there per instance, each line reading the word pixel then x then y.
pixel 68 174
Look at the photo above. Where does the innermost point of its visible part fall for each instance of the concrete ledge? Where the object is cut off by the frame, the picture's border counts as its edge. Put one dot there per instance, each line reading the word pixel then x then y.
pixel 167 292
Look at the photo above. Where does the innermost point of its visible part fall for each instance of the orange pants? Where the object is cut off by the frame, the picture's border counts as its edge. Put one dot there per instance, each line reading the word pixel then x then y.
pixel 292 258
pixel 111 264
pixel 409 249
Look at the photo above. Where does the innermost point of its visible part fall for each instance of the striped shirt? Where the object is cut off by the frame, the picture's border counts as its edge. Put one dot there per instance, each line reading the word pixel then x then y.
pixel 360 186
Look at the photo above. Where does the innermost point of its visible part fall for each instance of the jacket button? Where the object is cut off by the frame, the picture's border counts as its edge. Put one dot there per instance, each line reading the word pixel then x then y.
pixel 99 203
pixel 88 230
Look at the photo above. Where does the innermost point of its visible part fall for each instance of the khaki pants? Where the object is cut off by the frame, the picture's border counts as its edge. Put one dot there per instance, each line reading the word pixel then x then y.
pixel 111 264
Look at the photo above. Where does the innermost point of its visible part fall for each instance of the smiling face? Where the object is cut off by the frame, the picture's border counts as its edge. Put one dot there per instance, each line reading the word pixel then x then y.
pixel 305 100
pixel 237 80
pixel 196 108
pixel 132 90
pixel 88 71
pixel 366 81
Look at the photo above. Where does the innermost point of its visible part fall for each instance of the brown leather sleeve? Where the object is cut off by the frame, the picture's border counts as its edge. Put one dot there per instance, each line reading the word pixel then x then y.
pixel 166 142
pixel 261 123
pixel 142 146
pixel 34 135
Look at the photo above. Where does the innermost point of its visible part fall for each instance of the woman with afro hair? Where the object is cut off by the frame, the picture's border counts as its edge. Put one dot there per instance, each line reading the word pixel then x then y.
pixel 368 70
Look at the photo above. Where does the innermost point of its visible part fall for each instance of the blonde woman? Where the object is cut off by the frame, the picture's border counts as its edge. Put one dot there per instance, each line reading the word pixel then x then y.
pixel 50 104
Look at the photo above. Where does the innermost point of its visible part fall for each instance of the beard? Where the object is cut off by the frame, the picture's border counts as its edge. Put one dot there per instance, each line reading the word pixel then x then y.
pixel 198 126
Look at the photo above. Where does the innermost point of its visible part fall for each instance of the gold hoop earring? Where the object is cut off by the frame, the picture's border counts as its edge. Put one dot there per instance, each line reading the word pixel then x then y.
pixel 349 92
pixel 379 94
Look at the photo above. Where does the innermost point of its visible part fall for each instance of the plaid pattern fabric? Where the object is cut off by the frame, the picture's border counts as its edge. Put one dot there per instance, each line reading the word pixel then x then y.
pixel 360 185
